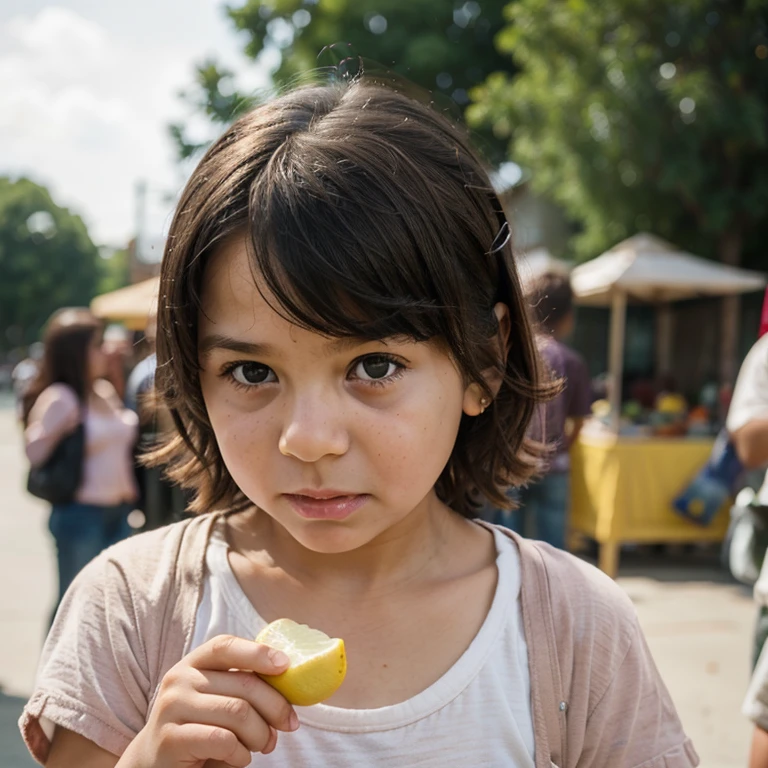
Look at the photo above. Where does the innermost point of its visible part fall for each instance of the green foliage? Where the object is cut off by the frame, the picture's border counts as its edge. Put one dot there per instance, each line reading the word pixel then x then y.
pixel 47 261
pixel 640 115
pixel 114 271
pixel 440 45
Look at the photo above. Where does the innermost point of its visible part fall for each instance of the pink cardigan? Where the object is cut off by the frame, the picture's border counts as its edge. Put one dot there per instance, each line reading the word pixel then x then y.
pixel 596 696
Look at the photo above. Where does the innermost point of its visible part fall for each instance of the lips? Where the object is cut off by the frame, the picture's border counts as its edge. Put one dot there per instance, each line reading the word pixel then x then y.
pixel 326 505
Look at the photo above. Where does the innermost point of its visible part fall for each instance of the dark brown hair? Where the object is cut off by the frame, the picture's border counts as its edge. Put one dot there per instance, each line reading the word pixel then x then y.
pixel 67 337
pixel 368 216
pixel 551 300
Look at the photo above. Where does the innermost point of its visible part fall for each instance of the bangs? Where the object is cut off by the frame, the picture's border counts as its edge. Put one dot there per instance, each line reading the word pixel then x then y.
pixel 347 253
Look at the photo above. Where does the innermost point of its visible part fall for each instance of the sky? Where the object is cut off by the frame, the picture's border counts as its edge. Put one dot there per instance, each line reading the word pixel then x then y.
pixel 88 90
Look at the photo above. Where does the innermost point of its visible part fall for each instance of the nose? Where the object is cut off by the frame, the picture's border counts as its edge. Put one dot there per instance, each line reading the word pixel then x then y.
pixel 314 428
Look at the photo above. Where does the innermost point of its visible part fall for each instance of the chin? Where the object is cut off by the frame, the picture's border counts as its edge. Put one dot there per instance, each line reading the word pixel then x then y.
pixel 330 539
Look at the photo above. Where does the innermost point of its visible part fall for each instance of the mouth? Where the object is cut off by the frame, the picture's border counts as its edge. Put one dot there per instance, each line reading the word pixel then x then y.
pixel 326 505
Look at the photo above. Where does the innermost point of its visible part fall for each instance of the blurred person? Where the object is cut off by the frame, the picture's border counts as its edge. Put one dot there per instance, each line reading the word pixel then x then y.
pixel 161 500
pixel 117 349
pixel 141 380
pixel 68 390
pixel 24 373
pixel 544 503
pixel 747 424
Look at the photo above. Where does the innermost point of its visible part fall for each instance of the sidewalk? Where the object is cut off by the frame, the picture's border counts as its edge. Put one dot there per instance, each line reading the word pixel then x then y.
pixel 698 624
pixel 28 581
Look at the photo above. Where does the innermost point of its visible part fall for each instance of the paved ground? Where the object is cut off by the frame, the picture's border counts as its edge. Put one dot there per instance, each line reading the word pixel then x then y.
pixel 698 624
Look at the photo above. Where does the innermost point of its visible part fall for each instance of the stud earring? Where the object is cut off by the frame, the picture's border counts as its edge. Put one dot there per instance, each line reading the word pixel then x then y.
pixel 484 403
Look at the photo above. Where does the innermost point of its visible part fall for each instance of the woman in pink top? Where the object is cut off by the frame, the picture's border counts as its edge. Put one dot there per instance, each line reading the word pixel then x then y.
pixel 69 389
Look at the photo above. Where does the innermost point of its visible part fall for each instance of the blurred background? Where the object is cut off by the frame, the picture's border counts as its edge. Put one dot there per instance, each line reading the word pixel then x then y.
pixel 628 142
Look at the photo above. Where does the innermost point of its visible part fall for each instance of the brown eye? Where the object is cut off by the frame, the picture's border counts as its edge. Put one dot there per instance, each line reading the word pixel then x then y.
pixel 250 374
pixel 375 367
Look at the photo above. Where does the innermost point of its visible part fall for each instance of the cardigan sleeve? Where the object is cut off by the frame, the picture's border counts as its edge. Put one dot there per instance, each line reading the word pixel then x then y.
pixel 634 724
pixel 93 675
pixel 124 621
pixel 599 700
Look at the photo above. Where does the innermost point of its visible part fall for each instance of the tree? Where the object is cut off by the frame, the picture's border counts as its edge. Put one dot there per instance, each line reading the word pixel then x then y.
pixel 115 270
pixel 641 115
pixel 47 261
pixel 635 114
pixel 444 47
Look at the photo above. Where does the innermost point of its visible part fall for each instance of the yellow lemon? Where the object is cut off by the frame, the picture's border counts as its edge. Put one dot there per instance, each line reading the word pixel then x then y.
pixel 318 662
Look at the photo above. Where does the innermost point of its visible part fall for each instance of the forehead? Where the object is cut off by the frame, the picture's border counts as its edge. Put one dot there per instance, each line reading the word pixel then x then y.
pixel 230 295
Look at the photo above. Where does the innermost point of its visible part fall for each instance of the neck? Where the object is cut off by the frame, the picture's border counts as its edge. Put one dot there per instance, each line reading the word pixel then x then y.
pixel 408 552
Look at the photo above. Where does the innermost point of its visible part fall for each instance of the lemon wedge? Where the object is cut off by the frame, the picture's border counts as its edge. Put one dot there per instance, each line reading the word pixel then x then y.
pixel 318 662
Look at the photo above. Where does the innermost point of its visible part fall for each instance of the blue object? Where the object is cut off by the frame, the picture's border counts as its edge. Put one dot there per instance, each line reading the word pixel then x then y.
pixel 713 485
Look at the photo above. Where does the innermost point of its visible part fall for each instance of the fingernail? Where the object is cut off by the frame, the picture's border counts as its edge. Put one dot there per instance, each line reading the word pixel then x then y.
pixel 293 721
pixel 272 743
pixel 278 658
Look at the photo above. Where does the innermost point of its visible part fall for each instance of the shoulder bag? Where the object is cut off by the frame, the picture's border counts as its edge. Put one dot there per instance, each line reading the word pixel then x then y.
pixel 59 477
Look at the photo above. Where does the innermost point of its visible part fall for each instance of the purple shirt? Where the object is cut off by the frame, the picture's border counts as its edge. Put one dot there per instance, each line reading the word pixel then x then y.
pixel 574 402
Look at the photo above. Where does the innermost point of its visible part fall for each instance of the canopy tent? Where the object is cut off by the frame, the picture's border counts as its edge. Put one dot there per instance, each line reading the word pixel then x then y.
pixel 131 305
pixel 538 262
pixel 646 268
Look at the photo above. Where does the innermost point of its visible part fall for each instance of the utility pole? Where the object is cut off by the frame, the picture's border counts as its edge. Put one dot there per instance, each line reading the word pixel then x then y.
pixel 140 197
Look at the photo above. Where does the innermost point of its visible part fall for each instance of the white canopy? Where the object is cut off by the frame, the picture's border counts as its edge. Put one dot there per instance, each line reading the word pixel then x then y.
pixel 538 262
pixel 131 305
pixel 647 268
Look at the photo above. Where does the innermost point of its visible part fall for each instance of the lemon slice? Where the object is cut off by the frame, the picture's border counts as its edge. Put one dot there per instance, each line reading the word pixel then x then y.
pixel 318 662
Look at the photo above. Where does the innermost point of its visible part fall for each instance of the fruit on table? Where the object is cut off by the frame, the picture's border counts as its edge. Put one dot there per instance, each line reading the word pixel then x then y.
pixel 699 413
pixel 318 662
pixel 672 404
pixel 633 410
pixel 601 409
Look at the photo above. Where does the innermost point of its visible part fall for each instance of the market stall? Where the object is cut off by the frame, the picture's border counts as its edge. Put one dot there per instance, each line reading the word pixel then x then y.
pixel 625 471
pixel 130 306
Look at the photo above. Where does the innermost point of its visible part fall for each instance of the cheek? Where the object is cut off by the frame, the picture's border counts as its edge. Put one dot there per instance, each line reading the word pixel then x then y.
pixel 413 444
pixel 241 437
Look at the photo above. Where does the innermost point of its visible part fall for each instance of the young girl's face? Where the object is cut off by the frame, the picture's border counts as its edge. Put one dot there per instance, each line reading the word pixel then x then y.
pixel 338 440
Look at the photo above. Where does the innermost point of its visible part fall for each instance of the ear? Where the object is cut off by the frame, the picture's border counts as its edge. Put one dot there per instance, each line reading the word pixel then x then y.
pixel 475 400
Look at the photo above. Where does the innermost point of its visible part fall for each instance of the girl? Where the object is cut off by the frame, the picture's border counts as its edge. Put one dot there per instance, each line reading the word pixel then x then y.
pixel 70 390
pixel 346 354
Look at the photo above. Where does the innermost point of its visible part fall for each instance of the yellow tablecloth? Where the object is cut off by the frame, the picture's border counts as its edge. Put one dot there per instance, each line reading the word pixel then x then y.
pixel 622 492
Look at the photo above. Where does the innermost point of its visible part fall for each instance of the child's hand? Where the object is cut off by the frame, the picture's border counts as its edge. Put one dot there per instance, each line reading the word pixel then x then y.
pixel 204 711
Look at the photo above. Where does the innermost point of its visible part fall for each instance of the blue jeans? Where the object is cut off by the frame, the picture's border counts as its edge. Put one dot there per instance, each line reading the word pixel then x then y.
pixel 81 531
pixel 543 510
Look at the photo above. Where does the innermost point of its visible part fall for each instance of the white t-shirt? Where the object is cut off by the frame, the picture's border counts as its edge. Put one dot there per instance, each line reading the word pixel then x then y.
pixel 478 714
pixel 750 395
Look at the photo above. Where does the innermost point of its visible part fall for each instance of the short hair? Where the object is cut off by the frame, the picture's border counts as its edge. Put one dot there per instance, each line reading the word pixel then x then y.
pixel 367 215
pixel 551 300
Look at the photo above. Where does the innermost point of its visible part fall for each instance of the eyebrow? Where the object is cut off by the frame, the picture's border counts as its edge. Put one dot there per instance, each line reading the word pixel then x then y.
pixel 259 349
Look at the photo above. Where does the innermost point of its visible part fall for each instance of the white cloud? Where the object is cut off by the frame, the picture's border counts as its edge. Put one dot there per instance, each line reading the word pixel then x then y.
pixel 85 111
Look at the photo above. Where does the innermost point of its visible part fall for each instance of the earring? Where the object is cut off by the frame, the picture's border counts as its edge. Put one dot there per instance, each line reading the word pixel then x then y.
pixel 484 403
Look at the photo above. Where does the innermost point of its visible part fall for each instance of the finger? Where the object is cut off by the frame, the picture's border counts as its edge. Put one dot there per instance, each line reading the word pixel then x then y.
pixel 207 742
pixel 226 652
pixel 225 712
pixel 272 743
pixel 270 705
